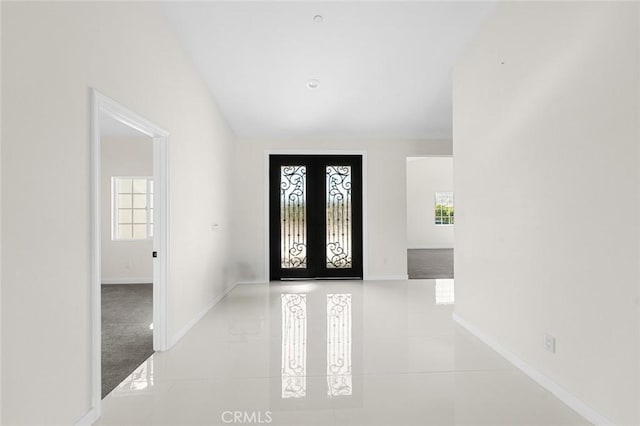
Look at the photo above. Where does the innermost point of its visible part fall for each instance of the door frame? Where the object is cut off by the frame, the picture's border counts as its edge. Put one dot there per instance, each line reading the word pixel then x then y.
pixel 302 152
pixel 101 104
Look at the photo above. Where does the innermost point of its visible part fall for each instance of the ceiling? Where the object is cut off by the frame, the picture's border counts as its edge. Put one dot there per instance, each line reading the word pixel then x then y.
pixel 383 68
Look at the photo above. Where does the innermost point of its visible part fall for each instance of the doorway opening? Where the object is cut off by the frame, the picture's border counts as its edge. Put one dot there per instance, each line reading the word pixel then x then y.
pixel 127 247
pixel 315 217
pixel 430 217
pixel 129 243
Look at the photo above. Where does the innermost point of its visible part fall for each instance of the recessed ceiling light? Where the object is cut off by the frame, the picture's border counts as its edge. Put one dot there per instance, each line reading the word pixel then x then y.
pixel 318 18
pixel 313 84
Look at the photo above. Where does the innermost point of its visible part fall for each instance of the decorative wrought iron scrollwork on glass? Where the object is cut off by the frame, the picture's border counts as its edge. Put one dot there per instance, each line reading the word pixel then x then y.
pixel 339 375
pixel 294 345
pixel 293 217
pixel 339 243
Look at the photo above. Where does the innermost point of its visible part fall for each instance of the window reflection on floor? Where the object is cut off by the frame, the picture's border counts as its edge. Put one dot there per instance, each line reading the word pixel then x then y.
pixel 445 294
pixel 294 345
pixel 339 378
pixel 138 382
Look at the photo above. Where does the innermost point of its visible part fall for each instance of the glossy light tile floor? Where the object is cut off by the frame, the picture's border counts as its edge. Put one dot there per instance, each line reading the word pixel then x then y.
pixel 333 353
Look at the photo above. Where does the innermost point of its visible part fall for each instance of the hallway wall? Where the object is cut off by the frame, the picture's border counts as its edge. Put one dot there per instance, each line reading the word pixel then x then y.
pixel 546 135
pixel 385 212
pixel 52 53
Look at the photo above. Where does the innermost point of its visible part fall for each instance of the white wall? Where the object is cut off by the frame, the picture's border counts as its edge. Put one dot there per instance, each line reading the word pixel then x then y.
pixel 385 212
pixel 546 113
pixel 425 177
pixel 52 53
pixel 124 262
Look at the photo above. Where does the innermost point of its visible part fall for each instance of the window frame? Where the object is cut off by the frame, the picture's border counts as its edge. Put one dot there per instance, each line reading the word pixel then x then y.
pixel 450 197
pixel 115 207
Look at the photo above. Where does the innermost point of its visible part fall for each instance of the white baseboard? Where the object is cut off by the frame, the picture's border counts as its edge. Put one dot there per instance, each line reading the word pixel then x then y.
pixel 561 393
pixel 387 277
pixel 252 282
pixel 143 280
pixel 88 419
pixel 184 330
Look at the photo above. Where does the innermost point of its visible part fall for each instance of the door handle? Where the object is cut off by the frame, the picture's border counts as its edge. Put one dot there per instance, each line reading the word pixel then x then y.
pixel 154 254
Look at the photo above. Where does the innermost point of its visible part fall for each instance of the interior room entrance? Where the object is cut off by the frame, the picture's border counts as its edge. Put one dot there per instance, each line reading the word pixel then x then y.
pixel 430 217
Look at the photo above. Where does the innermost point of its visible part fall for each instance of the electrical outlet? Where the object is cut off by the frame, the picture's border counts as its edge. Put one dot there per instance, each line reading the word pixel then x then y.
pixel 550 343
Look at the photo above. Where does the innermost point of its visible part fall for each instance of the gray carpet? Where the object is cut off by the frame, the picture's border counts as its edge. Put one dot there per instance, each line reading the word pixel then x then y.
pixel 430 263
pixel 127 341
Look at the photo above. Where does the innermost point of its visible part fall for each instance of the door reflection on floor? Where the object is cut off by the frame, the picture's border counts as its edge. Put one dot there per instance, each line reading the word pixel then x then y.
pixel 294 345
pixel 339 377
pixel 316 348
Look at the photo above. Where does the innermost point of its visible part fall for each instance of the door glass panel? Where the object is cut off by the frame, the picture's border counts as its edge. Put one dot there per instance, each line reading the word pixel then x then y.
pixel 339 244
pixel 293 217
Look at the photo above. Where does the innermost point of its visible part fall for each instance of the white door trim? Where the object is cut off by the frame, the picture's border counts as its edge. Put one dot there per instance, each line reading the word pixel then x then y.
pixel 101 104
pixel 365 245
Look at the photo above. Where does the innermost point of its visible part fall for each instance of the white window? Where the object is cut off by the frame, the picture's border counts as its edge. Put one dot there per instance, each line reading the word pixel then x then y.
pixel 131 208
pixel 444 208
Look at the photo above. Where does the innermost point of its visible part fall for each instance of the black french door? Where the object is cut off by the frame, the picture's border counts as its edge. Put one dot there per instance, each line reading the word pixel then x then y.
pixel 315 216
